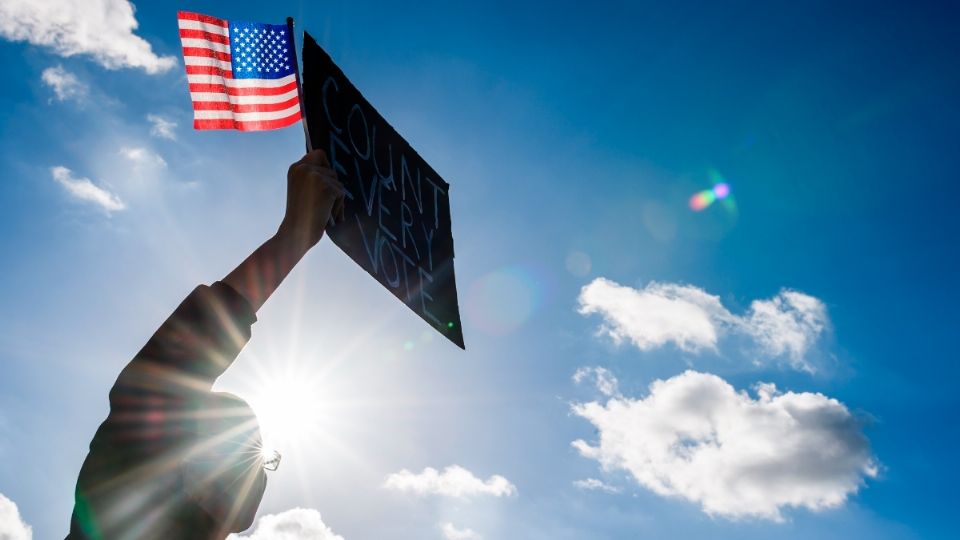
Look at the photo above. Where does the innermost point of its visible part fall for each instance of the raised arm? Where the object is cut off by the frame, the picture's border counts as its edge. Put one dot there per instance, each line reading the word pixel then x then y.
pixel 314 196
pixel 204 335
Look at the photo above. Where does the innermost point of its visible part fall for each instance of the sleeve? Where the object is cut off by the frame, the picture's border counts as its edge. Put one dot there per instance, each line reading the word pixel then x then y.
pixel 153 411
pixel 193 347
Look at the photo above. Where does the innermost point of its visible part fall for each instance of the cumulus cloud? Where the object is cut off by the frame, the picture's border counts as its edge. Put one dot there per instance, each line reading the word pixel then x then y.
pixel 85 190
pixel 101 29
pixel 295 524
pixel 143 157
pixel 454 481
pixel 695 437
pixel 785 326
pixel 655 315
pixel 162 127
pixel 12 526
pixel 592 484
pixel 65 85
pixel 450 532
pixel 788 324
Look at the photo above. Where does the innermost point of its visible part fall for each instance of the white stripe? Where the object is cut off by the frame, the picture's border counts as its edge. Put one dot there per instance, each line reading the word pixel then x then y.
pixel 208 96
pixel 204 44
pixel 242 100
pixel 206 27
pixel 245 117
pixel 240 83
pixel 256 100
pixel 204 61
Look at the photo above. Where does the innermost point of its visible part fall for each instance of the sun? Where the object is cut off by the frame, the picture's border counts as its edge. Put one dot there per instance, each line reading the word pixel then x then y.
pixel 290 408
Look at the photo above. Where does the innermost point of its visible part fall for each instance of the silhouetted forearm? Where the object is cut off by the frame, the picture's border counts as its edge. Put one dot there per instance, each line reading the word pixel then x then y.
pixel 262 272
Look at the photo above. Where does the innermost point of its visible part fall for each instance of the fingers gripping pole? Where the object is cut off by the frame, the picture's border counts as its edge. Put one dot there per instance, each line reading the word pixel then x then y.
pixel 296 73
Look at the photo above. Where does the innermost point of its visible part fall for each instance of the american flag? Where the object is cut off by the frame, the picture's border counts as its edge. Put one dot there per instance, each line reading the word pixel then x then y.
pixel 242 75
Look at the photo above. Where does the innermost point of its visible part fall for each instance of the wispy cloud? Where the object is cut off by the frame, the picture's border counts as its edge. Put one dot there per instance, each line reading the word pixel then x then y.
pixel 450 532
pixel 143 157
pixel 65 85
pixel 694 436
pixel 295 524
pixel 454 481
pixel 162 127
pixel 592 484
pixel 785 326
pixel 605 382
pixel 84 189
pixel 12 526
pixel 103 30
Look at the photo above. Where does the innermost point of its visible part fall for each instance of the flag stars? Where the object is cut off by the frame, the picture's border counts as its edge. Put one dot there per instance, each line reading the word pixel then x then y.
pixel 261 50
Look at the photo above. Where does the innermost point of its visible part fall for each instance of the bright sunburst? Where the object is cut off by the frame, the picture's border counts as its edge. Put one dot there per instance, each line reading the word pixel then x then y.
pixel 290 408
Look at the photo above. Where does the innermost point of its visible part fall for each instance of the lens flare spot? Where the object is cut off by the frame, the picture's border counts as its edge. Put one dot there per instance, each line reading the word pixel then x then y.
pixel 578 263
pixel 502 301
pixel 702 200
pixel 659 221
pixel 721 190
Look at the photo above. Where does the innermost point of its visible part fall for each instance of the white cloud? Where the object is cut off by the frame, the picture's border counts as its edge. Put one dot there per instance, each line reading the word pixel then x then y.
pixel 785 326
pixel 102 29
pixel 697 438
pixel 788 324
pixel 295 524
pixel 450 532
pixel 85 190
pixel 605 382
pixel 142 156
pixel 12 526
pixel 592 484
pixel 162 127
pixel 64 84
pixel 454 481
pixel 658 314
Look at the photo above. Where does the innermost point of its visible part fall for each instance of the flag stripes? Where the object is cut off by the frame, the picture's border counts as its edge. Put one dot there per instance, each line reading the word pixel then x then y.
pixel 250 86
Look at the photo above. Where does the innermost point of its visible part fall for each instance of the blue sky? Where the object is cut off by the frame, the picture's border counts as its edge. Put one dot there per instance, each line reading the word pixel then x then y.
pixel 573 138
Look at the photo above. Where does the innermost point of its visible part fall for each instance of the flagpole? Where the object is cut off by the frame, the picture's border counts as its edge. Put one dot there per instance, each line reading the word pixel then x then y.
pixel 296 73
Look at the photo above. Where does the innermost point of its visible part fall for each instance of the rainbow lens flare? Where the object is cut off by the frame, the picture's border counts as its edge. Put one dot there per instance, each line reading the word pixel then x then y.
pixel 703 199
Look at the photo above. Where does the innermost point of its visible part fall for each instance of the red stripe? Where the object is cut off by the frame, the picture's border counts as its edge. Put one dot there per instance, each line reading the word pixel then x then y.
pixel 247 126
pixel 254 91
pixel 244 108
pixel 213 124
pixel 206 53
pixel 200 34
pixel 211 105
pixel 209 70
pixel 189 16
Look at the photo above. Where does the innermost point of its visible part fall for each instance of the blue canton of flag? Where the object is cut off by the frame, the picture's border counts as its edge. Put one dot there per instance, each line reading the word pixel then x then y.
pixel 260 51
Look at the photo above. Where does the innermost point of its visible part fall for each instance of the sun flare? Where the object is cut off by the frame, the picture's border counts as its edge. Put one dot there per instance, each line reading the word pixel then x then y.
pixel 290 409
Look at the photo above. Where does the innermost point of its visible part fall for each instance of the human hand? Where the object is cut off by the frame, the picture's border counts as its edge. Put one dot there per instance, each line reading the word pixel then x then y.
pixel 315 197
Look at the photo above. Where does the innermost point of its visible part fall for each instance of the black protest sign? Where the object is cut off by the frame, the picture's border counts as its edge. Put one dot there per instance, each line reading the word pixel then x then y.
pixel 397 224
